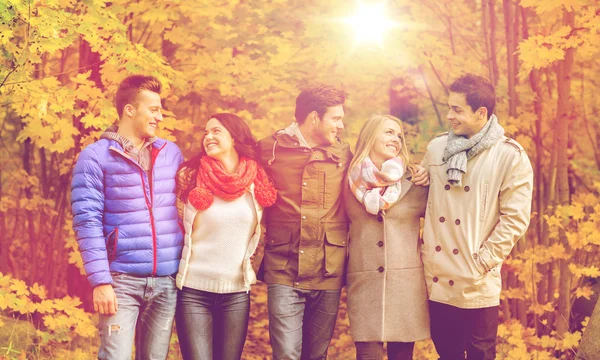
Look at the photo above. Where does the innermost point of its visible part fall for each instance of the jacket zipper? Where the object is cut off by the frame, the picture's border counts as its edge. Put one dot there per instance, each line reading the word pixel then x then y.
pixel 149 202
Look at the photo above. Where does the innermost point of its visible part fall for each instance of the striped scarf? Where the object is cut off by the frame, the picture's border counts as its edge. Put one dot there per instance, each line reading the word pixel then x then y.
pixel 459 149
pixel 376 189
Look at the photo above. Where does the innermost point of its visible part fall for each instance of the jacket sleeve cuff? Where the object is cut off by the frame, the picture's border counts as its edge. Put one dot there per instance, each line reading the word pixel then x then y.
pixel 101 278
pixel 485 259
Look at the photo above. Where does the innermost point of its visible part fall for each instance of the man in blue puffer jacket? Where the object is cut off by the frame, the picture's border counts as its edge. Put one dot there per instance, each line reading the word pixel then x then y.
pixel 127 226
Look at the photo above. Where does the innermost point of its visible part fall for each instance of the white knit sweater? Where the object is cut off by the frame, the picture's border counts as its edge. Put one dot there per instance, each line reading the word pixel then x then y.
pixel 218 244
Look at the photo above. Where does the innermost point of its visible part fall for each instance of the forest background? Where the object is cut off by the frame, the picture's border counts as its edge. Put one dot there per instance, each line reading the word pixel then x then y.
pixel 61 60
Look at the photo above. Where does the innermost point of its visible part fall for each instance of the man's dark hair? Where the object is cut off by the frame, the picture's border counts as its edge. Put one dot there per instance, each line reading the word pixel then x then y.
pixel 317 98
pixel 131 87
pixel 479 92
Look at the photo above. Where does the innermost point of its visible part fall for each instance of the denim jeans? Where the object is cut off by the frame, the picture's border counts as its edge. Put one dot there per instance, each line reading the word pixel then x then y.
pixel 455 330
pixel 211 325
pixel 301 322
pixel 146 307
pixel 374 350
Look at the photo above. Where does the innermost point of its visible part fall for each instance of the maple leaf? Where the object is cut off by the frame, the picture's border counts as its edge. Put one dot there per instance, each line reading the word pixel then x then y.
pixel 4 280
pixel 570 341
pixel 19 287
pixel 585 292
pixel 39 290
pixel 540 309
pixel 46 306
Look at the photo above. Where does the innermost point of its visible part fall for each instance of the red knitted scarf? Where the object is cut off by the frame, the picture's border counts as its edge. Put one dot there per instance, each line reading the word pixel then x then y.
pixel 212 180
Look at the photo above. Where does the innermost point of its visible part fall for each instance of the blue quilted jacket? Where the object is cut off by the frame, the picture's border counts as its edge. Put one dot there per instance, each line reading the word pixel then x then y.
pixel 126 220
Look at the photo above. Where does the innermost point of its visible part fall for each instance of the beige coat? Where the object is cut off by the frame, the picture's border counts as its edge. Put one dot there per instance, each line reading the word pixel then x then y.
pixel 387 297
pixel 470 230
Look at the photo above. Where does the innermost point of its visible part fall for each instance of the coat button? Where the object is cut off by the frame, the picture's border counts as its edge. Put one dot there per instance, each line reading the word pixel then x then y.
pixel 442 219
pixel 317 157
pixel 304 183
pixel 303 217
pixel 457 221
pixel 451 283
pixel 455 251
pixel 475 256
pixel 438 248
pixel 297 283
pixel 295 144
pixel 447 187
pixel 435 279
pixel 339 165
pixel 467 188
pixel 380 269
pixel 380 244
pixel 301 251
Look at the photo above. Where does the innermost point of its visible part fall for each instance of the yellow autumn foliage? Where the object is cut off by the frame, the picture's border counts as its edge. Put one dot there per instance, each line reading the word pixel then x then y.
pixel 61 62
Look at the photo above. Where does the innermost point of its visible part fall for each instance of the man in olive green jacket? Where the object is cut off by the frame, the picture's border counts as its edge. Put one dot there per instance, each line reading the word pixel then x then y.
pixel 306 228
pixel 479 206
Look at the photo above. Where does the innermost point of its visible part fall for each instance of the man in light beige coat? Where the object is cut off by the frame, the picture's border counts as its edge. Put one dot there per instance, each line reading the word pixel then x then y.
pixel 478 208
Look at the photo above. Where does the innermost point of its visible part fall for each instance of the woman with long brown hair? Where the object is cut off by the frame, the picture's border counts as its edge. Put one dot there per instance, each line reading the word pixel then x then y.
pixel 224 191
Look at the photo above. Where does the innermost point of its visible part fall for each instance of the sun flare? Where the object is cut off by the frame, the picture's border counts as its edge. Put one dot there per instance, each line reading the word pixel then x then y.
pixel 370 23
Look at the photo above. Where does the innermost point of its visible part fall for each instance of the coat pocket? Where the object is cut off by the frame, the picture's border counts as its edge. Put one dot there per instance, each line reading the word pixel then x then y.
pixel 277 248
pixel 335 251
pixel 112 240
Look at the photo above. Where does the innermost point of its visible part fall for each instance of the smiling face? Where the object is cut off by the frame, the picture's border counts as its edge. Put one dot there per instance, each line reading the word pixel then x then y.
pixel 328 128
pixel 463 119
pixel 146 115
pixel 387 143
pixel 217 141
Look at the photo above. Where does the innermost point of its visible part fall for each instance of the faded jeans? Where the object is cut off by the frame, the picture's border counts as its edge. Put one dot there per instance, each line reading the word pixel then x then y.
pixel 146 307
pixel 212 326
pixel 301 322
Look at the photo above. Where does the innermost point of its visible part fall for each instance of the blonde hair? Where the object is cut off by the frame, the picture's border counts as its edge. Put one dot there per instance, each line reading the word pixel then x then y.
pixel 366 140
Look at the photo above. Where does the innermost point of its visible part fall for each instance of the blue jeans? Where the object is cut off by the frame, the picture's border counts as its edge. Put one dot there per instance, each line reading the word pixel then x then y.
pixel 212 326
pixel 146 307
pixel 301 322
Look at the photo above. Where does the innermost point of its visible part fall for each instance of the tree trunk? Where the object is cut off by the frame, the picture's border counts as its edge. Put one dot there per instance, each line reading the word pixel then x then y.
pixel 510 55
pixel 437 113
pixel 539 206
pixel 4 240
pixel 29 215
pixel 484 29
pixel 77 284
pixel 563 110
pixel 511 40
pixel 493 50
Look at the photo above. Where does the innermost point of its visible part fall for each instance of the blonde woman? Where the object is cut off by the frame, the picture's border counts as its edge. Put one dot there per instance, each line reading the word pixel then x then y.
pixel 387 297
